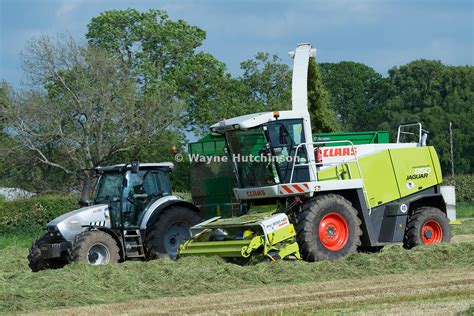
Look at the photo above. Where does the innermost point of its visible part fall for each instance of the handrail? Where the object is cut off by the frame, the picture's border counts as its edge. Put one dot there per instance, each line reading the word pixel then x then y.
pixel 320 163
pixel 410 124
pixel 315 164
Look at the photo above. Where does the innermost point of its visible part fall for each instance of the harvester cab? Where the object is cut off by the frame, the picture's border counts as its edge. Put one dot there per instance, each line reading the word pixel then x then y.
pixel 127 211
pixel 329 198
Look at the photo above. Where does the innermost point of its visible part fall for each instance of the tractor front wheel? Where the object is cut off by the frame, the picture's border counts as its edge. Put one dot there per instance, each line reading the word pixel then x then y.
pixel 426 226
pixel 95 247
pixel 328 228
pixel 36 262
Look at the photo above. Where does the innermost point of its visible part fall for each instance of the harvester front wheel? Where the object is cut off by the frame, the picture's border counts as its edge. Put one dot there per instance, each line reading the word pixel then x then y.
pixel 169 231
pixel 95 247
pixel 426 226
pixel 36 262
pixel 328 228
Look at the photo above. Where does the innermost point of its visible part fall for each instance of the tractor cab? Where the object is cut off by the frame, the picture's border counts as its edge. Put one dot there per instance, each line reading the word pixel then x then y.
pixel 130 189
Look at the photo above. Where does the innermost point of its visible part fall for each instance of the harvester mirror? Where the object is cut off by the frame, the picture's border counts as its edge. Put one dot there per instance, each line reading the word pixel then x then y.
pixel 135 166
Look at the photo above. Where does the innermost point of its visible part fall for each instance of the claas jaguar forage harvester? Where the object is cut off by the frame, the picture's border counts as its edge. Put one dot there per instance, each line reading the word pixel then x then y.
pixel 321 200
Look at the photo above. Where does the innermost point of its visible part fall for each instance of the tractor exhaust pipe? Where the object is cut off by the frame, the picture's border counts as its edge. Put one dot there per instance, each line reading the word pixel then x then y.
pixel 87 188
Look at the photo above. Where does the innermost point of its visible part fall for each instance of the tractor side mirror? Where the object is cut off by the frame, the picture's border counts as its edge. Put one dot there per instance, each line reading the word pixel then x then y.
pixel 135 166
pixel 283 139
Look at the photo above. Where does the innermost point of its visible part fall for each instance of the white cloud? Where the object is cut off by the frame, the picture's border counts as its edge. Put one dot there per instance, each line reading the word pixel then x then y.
pixel 67 7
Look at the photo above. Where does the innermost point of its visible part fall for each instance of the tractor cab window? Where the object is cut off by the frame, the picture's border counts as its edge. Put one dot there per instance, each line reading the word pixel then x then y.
pixel 128 194
pixel 109 186
pixel 284 137
pixel 142 189
pixel 163 181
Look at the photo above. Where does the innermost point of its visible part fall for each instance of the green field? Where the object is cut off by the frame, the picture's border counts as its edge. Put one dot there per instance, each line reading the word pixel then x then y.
pixel 464 209
pixel 81 285
pixel 78 284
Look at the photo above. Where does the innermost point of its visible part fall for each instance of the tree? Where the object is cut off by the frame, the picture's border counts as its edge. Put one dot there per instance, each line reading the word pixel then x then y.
pixel 268 81
pixel 161 54
pixel 435 94
pixel 88 111
pixel 323 118
pixel 151 44
pixel 209 92
pixel 356 92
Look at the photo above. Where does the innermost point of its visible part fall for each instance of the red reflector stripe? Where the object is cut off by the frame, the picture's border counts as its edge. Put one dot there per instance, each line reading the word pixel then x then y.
pixel 306 185
pixel 298 188
pixel 287 189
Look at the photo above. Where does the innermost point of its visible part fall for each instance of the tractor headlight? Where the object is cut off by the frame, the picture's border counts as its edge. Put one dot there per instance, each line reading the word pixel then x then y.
pixel 53 229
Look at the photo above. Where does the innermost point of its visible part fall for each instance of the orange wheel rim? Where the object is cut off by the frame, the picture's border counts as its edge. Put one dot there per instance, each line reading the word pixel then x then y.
pixel 431 232
pixel 333 231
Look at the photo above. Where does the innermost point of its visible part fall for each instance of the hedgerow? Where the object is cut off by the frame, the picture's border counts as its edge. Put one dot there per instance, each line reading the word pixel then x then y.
pixel 29 216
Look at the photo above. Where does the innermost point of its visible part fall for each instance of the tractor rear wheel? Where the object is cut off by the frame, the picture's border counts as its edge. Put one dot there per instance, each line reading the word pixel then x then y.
pixel 426 226
pixel 328 228
pixel 95 247
pixel 36 262
pixel 169 231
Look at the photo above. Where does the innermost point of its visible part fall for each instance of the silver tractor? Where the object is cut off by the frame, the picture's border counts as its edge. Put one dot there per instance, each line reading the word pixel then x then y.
pixel 133 215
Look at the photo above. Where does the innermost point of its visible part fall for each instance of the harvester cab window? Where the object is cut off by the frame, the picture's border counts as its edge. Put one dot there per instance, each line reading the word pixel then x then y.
pixel 249 152
pixel 285 136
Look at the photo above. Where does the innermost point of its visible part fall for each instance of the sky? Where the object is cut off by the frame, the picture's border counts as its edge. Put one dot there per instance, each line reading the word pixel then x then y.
pixel 380 34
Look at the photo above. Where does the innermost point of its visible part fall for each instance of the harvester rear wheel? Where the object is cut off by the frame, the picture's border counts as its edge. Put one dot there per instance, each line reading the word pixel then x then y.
pixel 426 226
pixel 169 231
pixel 328 228
pixel 36 262
pixel 95 247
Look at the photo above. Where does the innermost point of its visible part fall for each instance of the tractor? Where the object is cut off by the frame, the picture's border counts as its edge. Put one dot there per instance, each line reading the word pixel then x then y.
pixel 319 200
pixel 133 215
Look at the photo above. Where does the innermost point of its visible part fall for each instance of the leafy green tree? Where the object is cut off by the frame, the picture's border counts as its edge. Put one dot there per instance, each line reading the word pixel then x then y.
pixel 356 92
pixel 161 54
pixel 323 118
pixel 435 94
pixel 150 43
pixel 208 91
pixel 268 81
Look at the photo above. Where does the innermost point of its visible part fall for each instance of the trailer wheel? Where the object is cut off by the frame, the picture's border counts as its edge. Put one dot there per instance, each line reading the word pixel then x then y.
pixel 35 260
pixel 169 231
pixel 328 228
pixel 426 226
pixel 95 247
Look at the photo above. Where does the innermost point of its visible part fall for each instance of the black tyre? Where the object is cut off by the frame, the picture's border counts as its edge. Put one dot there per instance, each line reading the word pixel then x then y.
pixel 35 260
pixel 169 231
pixel 369 249
pixel 95 247
pixel 426 226
pixel 328 228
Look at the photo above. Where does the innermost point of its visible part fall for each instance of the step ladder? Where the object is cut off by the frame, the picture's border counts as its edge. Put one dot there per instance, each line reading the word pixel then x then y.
pixel 133 244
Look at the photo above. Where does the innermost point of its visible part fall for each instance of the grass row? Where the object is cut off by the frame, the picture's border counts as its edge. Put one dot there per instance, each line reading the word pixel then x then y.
pixel 79 284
